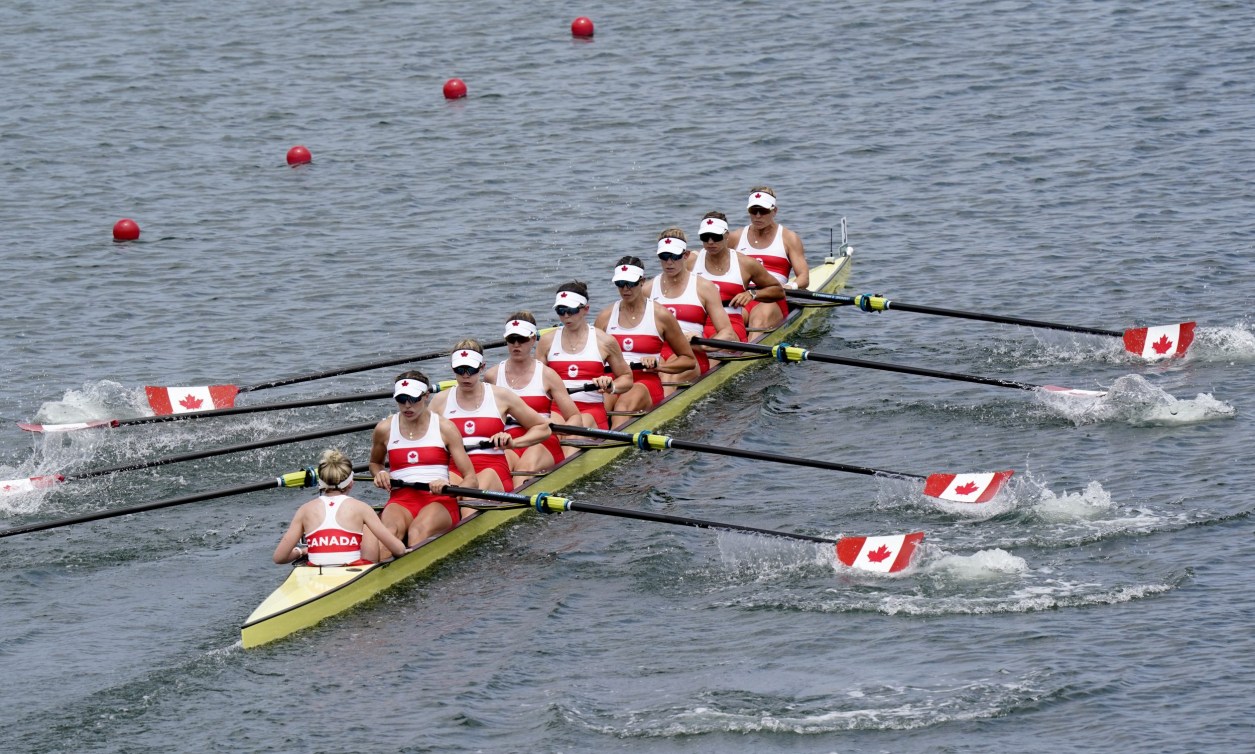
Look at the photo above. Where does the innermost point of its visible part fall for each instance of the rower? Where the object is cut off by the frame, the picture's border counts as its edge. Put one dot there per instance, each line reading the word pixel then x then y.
pixel 694 301
pixel 332 524
pixel 741 279
pixel 539 386
pixel 479 411
pixel 581 354
pixel 641 327
pixel 416 445
pixel 778 248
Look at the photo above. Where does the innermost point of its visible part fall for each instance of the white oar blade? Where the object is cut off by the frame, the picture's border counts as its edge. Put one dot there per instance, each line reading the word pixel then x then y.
pixel 888 554
pixel 183 400
pixel 1160 342
pixel 18 486
pixel 68 427
pixel 1073 391
pixel 966 488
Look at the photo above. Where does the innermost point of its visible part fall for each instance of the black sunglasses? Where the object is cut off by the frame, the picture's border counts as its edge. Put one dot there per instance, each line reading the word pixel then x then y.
pixel 515 340
pixel 405 400
pixel 711 237
pixel 465 371
pixel 759 211
pixel 563 311
pixel 626 283
pixel 668 256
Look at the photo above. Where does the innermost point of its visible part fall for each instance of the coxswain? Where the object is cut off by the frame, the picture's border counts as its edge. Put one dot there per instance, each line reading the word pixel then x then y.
pixel 416 445
pixel 741 279
pixel 479 412
pixel 582 354
pixel 778 248
pixel 694 302
pixel 333 523
pixel 641 328
pixel 540 388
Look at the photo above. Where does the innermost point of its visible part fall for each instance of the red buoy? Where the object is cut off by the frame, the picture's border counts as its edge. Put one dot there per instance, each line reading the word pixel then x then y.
pixel 125 229
pixel 582 27
pixel 454 89
pixel 299 155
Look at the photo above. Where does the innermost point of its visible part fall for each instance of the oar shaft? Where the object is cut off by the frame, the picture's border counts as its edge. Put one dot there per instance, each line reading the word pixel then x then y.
pixel 258 408
pixel 353 369
pixel 879 303
pixel 224 451
pixel 646 440
pixel 790 353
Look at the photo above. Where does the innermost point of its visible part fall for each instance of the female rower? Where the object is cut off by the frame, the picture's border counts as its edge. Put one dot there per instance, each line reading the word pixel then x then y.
pixel 332 524
pixel 641 327
pixel 478 411
pixel 581 354
pixel 540 388
pixel 732 272
pixel 694 302
pixel 778 248
pixel 416 445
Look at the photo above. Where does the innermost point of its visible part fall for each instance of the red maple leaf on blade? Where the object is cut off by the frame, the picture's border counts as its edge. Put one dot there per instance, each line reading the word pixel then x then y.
pixel 191 402
pixel 1162 345
pixel 966 489
pixel 879 554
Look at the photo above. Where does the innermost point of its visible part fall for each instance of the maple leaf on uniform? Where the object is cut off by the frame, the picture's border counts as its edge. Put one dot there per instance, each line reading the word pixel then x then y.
pixel 1162 345
pixel 966 489
pixel 191 402
pixel 879 554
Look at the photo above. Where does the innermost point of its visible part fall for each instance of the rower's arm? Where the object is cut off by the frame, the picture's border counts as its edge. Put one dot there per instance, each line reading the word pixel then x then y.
pixel 708 292
pixel 797 258
pixel 537 428
pixel 618 367
pixel 767 287
pixel 669 328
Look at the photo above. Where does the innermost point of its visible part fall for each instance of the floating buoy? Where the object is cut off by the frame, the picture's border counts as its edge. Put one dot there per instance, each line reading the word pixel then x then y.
pixel 582 27
pixel 299 155
pixel 454 89
pixel 125 229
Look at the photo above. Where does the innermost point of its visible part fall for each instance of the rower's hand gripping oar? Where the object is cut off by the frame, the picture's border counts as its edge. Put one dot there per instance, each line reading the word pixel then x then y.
pixel 785 353
pixel 961 488
pixel 178 400
pixel 883 554
pixel 1158 342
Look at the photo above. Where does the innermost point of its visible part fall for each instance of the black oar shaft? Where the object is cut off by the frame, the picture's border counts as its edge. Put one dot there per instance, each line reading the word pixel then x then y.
pixel 656 442
pixel 224 451
pixel 258 408
pixel 879 303
pixel 354 368
pixel 790 353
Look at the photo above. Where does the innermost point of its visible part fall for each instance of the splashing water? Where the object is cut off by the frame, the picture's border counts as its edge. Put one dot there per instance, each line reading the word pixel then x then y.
pixel 986 565
pixel 96 400
pixel 1233 344
pixel 1134 400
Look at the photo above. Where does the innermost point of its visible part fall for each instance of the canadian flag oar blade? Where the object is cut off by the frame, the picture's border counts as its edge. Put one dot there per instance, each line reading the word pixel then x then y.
pixel 888 554
pixel 1161 342
pixel 182 400
pixel 17 486
pixel 966 488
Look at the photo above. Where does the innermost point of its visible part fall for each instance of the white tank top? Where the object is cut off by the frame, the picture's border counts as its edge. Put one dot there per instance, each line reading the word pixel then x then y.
pixel 687 307
pixel 730 283
pixel 331 544
pixel 425 459
pixel 478 423
pixel 640 340
pixel 774 257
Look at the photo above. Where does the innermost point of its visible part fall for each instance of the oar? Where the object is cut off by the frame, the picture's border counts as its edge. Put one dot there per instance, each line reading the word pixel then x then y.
pixel 786 352
pixel 882 554
pixel 14 486
pixel 1157 342
pixel 960 488
pixel 112 423
pixel 304 478
pixel 177 400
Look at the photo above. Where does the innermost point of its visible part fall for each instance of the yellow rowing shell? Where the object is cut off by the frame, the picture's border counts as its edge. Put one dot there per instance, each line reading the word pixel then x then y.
pixel 312 594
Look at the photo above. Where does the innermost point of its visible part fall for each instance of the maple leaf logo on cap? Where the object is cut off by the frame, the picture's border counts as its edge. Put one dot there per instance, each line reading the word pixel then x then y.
pixel 710 222
pixel 464 354
pixel 623 268
pixel 515 323
pixel 405 383
pixel 562 295
pixel 758 196
pixel 668 240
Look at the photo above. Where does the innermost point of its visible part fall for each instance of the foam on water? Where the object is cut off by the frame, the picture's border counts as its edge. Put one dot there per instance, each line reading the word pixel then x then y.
pixel 104 399
pixel 1134 400
pixel 1235 344
pixel 986 565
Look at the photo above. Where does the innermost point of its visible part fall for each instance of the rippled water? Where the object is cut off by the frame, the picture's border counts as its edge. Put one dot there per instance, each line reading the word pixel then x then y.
pixel 1082 163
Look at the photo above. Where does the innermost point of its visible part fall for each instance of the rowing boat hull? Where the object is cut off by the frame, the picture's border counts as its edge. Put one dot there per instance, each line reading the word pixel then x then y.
pixel 312 594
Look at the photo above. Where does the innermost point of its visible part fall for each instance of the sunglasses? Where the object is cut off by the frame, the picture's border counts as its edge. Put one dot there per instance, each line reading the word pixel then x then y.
pixel 710 237
pixel 667 256
pixel 516 340
pixel 563 311
pixel 626 284
pixel 759 211
pixel 465 371
pixel 405 400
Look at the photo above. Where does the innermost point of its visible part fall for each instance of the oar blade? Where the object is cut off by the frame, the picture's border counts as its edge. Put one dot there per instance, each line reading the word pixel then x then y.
pixel 18 486
pixel 183 400
pixel 1075 392
pixel 966 488
pixel 885 554
pixel 94 424
pixel 1159 342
